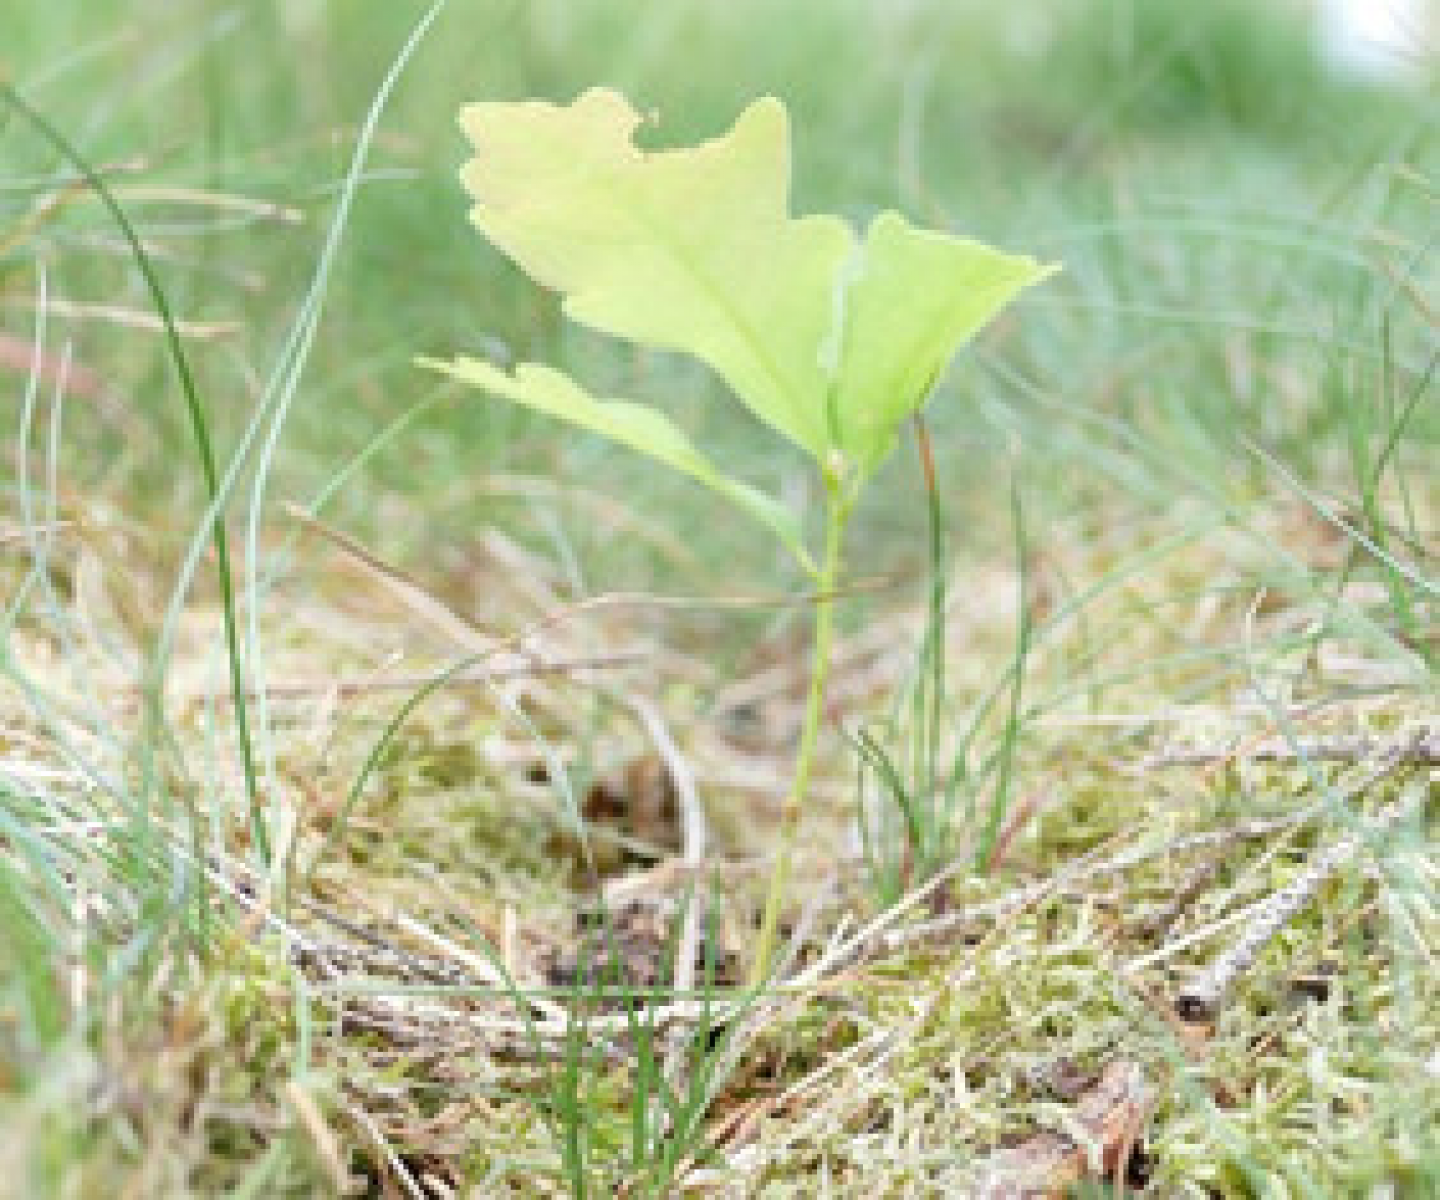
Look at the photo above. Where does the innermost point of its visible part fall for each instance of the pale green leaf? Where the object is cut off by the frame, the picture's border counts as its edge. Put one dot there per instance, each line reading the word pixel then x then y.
pixel 637 426
pixel 910 301
pixel 686 249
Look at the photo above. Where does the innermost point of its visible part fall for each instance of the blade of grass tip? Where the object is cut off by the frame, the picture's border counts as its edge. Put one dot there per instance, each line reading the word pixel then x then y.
pixel 1400 421
pixel 1323 510
pixel 1372 503
pixel 1000 801
pixel 885 770
pixel 281 389
pixel 39 528
pixel 873 821
pixel 871 847
pixel 1400 416
pixel 377 750
pixel 213 526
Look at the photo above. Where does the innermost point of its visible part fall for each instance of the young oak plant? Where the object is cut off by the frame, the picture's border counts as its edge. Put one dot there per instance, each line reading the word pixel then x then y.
pixel 830 338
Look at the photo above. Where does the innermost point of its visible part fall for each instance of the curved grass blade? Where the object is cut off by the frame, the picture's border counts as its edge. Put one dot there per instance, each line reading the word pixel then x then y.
pixel 200 429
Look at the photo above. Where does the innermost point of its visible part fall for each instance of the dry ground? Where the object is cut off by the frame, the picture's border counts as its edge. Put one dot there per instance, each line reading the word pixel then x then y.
pixel 1200 956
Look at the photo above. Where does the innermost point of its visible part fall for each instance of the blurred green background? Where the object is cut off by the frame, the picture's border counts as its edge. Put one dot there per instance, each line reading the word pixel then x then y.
pixel 1245 234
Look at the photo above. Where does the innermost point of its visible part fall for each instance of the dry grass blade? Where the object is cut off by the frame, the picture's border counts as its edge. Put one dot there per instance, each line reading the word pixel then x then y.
pixel 419 600
pixel 322 1137
pixel 131 318
pixel 349 687
pixel 249 206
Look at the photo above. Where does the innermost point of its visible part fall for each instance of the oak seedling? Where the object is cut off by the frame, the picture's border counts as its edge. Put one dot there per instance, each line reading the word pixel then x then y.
pixel 829 336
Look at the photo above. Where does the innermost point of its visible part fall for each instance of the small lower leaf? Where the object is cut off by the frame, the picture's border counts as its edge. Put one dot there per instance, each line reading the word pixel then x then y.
pixel 638 426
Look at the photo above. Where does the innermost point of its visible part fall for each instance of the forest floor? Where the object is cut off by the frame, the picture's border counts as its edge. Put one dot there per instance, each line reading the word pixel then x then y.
pixel 1199 953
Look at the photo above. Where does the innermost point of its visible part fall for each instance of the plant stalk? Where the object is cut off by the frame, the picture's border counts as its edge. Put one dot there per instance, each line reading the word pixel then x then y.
pixel 837 511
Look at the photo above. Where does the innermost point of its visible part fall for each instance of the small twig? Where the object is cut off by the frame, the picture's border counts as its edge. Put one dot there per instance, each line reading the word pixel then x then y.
pixel 1082 871
pixel 1176 715
pixel 392 1159
pixel 1423 748
pixel 265 210
pixel 1201 1001
pixel 1157 923
pixel 1184 941
pixel 482 676
pixel 130 318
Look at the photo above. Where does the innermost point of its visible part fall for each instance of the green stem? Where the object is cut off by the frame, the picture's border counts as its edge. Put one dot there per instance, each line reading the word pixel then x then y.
pixel 837 510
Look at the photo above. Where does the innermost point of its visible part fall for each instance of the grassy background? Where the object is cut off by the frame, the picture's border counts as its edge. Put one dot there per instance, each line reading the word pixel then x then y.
pixel 1244 332
pixel 1214 198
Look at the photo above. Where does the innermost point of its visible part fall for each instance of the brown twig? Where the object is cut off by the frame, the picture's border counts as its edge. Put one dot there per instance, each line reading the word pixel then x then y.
pixel 1108 1118
pixel 1421 748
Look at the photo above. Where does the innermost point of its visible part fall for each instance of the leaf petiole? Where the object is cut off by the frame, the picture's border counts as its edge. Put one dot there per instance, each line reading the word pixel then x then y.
pixel 838 505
